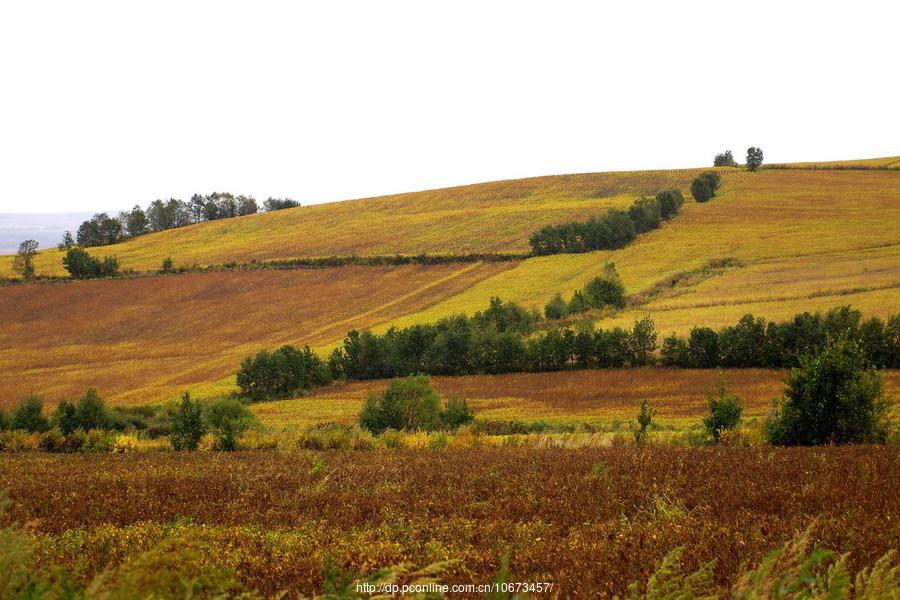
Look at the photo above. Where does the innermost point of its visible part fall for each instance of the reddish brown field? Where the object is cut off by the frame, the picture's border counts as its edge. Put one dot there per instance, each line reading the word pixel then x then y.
pixel 590 521
pixel 595 396
pixel 148 339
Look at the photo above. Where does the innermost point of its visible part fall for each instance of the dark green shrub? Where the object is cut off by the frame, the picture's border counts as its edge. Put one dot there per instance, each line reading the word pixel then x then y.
pixel 578 304
pixel 227 420
pixel 81 265
pixel 724 413
pixel 644 420
pixel 606 290
pixel 646 215
pixel 167 266
pixel 833 397
pixel 29 416
pixel 456 413
pixel 556 308
pixel 186 425
pixel 52 440
pixel 409 403
pixel 670 202
pixel 700 190
pixel 675 352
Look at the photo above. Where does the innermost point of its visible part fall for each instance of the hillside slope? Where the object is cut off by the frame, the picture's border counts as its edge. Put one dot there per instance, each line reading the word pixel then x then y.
pixel 487 217
pixel 772 243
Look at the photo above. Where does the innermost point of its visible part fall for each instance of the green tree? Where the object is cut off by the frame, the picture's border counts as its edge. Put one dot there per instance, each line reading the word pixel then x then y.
pixel 724 412
pixel 833 397
pixel 66 417
pixel 228 419
pixel 726 159
pixel 703 347
pixel 23 263
pixel 186 425
pixel 701 190
pixel 167 266
pixel 607 289
pixel 135 221
pixel 29 415
pixel 67 242
pixel 456 413
pixel 642 342
pixel 754 158
pixel 409 403
pixel 91 412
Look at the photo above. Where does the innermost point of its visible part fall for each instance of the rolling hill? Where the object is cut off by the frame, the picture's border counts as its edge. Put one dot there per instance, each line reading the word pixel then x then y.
pixel 773 243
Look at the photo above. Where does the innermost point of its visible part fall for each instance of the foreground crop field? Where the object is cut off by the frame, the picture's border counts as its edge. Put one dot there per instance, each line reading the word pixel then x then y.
pixel 148 339
pixel 589 521
pixel 595 397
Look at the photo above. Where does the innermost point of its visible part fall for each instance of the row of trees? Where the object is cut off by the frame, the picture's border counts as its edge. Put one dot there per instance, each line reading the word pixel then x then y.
pixel 615 229
pixel 103 229
pixel 502 340
pixel 755 342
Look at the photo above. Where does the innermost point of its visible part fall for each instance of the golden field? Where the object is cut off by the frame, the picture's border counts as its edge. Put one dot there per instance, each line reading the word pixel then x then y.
pixel 487 217
pixel 594 397
pixel 791 241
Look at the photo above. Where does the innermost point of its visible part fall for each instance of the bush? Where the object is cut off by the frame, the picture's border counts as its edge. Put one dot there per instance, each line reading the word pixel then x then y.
pixel 833 397
pixel 28 416
pixel 281 373
pixel 644 420
pixel 606 290
pixel 704 186
pixel 556 308
pixel 456 413
pixel 724 413
pixel 167 266
pixel 82 265
pixel 52 440
pixel 186 426
pixel 670 202
pixel 407 404
pixel 227 420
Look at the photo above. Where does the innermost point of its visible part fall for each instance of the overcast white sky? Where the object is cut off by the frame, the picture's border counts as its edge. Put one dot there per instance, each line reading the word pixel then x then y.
pixel 108 104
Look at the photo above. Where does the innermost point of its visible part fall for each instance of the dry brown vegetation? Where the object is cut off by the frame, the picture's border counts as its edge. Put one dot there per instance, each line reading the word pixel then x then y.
pixel 598 397
pixel 147 339
pixel 591 521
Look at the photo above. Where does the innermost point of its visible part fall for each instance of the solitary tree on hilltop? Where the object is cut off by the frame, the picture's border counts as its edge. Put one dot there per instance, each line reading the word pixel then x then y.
pixel 754 158
pixel 24 261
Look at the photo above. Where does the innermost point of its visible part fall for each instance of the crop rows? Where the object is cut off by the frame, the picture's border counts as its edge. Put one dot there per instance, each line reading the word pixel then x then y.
pixel 591 520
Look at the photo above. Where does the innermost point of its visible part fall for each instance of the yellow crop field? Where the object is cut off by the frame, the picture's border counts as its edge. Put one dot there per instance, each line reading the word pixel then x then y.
pixel 487 217
pixel 148 339
pixel 801 240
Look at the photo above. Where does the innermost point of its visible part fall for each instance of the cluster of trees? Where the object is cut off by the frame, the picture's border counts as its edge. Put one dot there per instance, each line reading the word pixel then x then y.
pixel 705 185
pixel 600 292
pixel 755 342
pixel 282 373
pixel 616 229
pixel 412 404
pixel 81 265
pixel 90 412
pixel 754 159
pixel 103 229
